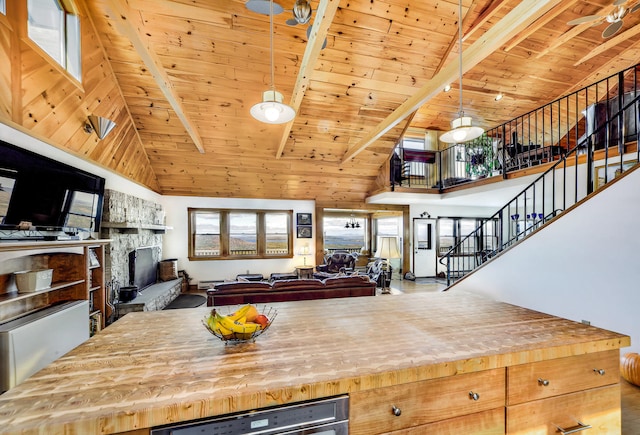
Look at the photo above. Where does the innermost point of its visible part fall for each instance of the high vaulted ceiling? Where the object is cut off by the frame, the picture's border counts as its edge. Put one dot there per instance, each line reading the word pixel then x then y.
pixel 190 70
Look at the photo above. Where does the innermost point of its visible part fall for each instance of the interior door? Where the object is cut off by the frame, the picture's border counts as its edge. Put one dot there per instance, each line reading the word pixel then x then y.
pixel 424 252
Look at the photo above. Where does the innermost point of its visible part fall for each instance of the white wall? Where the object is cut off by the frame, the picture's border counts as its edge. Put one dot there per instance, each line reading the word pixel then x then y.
pixel 112 180
pixel 583 266
pixel 175 241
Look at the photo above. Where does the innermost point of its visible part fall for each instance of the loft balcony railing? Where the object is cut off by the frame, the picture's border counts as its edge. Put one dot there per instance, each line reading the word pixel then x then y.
pixel 598 143
pixel 541 136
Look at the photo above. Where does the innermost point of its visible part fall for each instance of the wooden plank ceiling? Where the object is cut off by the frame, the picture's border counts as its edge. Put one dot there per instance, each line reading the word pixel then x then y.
pixel 190 70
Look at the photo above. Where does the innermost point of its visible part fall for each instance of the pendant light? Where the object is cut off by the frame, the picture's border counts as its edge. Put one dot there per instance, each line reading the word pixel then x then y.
pixel 462 129
pixel 271 109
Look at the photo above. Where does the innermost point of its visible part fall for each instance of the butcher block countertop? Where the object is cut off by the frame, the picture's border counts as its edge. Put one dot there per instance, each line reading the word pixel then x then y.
pixel 155 368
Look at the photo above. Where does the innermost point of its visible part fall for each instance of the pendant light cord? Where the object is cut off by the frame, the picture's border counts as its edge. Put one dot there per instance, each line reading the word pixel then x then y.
pixel 461 112
pixel 273 87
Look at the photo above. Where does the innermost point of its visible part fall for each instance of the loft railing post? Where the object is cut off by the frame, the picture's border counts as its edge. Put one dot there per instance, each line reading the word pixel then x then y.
pixel 589 166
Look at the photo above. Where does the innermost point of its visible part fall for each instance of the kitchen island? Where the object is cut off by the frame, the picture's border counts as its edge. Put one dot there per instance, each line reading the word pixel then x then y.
pixel 387 353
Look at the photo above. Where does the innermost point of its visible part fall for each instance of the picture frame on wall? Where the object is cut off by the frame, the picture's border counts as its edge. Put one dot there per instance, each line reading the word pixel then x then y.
pixel 303 219
pixel 304 231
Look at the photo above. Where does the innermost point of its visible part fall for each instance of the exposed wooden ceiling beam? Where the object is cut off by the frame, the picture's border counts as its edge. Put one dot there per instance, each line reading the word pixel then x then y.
pixel 540 23
pixel 572 33
pixel 610 43
pixel 485 16
pixel 324 17
pixel 453 42
pixel 129 25
pixel 519 18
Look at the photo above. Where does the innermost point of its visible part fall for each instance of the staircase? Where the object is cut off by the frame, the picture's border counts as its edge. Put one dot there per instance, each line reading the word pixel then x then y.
pixel 601 144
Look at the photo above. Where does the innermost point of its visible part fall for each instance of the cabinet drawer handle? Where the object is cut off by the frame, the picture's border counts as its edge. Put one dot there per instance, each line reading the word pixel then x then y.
pixel 573 429
pixel 474 396
pixel 396 411
pixel 601 372
pixel 543 382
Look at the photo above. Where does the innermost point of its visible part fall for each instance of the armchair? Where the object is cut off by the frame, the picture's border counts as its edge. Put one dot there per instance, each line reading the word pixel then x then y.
pixel 338 261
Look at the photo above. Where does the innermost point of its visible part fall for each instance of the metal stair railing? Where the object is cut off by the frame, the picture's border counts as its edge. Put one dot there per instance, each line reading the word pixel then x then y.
pixel 540 136
pixel 555 190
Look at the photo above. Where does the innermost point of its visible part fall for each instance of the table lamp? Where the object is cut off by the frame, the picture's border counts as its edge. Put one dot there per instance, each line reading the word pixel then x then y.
pixel 305 252
pixel 387 248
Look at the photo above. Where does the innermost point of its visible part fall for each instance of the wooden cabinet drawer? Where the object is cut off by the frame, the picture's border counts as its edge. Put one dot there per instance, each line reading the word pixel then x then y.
pixel 482 423
pixel 423 402
pixel 598 407
pixel 550 378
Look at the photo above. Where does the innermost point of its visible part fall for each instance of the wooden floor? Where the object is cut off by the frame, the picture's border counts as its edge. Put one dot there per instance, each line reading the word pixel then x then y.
pixel 630 392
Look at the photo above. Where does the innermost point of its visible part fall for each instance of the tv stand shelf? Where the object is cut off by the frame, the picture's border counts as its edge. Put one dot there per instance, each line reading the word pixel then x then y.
pixel 73 276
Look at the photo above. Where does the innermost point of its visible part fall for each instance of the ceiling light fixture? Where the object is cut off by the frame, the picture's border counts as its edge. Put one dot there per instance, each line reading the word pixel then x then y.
pixel 462 129
pixel 499 97
pixel 447 88
pixel 271 109
pixel 102 126
pixel 352 223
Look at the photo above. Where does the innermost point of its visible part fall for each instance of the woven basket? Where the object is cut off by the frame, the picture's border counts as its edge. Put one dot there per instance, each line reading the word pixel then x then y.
pixel 168 269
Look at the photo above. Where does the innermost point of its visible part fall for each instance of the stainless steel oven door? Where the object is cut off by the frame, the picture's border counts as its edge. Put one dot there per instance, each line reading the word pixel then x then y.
pixel 317 417
pixel 341 428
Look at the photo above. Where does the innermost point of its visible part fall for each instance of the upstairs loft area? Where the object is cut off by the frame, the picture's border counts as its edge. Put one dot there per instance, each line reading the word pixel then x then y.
pixel 605 113
pixel 42 199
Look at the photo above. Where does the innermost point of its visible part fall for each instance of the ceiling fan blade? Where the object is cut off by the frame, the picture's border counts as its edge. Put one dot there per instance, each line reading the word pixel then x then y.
pixel 612 29
pixel 292 22
pixel 324 43
pixel 634 8
pixel 263 7
pixel 584 20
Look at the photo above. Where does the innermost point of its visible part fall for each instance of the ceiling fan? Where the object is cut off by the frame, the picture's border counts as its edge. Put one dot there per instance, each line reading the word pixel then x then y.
pixel 614 18
pixel 301 10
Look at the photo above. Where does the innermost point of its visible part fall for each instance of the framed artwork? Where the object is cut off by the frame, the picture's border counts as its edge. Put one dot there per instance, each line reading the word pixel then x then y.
pixel 612 171
pixel 304 231
pixel 303 219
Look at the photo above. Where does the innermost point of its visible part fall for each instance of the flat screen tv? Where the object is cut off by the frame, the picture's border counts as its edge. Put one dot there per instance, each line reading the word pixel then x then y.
pixel 48 194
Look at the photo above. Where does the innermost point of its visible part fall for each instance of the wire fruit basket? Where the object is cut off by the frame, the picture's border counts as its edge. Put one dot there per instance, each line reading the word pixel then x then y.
pixel 240 333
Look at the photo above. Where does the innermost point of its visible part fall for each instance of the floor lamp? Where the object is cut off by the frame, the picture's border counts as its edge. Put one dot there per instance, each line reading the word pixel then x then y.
pixel 387 249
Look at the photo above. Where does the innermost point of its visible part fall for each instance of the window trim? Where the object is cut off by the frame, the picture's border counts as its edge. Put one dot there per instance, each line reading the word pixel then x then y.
pixel 224 234
pixel 69 8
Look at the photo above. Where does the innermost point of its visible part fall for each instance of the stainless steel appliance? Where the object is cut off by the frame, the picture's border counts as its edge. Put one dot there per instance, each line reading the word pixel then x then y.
pixel 318 417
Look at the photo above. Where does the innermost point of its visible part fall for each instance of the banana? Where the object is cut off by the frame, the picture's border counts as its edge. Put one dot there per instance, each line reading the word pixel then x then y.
pixel 234 325
pixel 240 312
pixel 247 328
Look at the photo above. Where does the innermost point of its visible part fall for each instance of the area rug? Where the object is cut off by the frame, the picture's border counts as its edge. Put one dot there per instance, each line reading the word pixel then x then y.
pixel 186 301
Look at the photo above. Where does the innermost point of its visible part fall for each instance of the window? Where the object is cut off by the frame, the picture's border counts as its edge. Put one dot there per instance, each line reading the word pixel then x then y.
pixel 3 7
pixel 55 27
pixel 239 234
pixel 452 231
pixel 341 235
pixel 389 227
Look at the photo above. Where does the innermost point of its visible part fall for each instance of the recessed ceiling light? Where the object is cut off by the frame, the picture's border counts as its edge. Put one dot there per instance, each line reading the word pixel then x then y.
pixel 498 97
pixel 447 88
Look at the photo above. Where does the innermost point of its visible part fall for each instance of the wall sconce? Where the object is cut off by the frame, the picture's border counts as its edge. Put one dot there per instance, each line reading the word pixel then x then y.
pixel 102 126
pixel 424 213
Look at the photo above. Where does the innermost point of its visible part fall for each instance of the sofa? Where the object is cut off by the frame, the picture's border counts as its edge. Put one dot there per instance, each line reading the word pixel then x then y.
pixel 338 262
pixel 237 292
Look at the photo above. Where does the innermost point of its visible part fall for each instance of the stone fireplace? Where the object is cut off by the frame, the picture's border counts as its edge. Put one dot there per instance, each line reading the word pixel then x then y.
pixel 130 223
